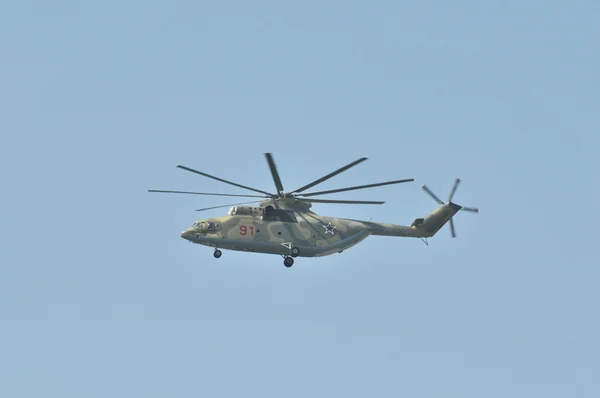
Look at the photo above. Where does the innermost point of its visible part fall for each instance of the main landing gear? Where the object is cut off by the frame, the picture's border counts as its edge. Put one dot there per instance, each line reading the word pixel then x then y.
pixel 295 251
pixel 217 253
pixel 288 261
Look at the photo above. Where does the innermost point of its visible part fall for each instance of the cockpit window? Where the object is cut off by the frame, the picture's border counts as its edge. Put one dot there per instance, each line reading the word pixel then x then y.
pixel 204 225
pixel 199 225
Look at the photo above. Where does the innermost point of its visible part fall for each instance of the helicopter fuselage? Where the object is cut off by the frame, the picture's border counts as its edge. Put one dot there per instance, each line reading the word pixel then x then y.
pixel 312 235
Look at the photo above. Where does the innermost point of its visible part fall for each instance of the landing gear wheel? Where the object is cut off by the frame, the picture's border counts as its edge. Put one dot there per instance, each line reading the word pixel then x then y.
pixel 288 262
pixel 295 251
pixel 217 253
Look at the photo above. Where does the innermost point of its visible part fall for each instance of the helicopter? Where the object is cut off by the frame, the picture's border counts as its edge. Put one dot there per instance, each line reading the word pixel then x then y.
pixel 283 223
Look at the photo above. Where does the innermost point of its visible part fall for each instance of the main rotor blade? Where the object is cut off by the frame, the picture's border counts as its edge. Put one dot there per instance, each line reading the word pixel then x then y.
pixel 205 193
pixel 432 195
pixel 225 181
pixel 453 190
pixel 328 176
pixel 355 187
pixel 452 229
pixel 218 207
pixel 362 202
pixel 274 172
pixel 472 209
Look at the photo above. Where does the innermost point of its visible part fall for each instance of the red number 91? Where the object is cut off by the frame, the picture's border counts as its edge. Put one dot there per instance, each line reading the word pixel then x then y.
pixel 244 230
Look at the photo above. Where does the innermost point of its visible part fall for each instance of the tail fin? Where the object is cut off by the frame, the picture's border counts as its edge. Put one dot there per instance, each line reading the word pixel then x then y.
pixel 436 220
pixel 431 224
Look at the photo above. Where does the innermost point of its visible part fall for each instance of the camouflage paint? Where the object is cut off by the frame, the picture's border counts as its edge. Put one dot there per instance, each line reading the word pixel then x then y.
pixel 313 234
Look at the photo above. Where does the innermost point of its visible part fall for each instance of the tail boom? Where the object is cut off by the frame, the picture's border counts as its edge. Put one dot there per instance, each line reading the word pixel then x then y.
pixel 421 227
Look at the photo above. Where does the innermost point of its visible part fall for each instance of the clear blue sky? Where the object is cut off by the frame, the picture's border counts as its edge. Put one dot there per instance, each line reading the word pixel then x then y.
pixel 100 296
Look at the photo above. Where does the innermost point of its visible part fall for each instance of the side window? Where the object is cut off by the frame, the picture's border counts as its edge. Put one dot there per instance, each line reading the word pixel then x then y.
pixel 272 214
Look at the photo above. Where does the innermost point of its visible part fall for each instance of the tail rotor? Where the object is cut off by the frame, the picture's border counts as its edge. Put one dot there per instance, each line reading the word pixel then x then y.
pixel 450 197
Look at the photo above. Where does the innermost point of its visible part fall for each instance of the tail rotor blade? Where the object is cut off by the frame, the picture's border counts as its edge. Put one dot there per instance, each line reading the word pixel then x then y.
pixel 453 190
pixel 471 209
pixel 452 231
pixel 432 195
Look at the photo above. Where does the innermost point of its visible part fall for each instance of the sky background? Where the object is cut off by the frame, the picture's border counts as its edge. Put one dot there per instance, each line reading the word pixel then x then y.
pixel 100 101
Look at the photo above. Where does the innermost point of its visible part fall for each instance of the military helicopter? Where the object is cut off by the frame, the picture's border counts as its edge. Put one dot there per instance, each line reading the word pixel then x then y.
pixel 284 224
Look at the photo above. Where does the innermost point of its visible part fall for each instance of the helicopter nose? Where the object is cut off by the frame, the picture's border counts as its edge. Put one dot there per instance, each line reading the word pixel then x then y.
pixel 187 234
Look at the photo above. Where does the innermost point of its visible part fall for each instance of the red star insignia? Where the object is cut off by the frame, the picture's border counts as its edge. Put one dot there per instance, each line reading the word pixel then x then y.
pixel 329 229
